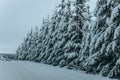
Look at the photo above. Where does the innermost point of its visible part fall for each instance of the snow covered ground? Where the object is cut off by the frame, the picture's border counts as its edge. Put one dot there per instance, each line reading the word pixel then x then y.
pixel 23 70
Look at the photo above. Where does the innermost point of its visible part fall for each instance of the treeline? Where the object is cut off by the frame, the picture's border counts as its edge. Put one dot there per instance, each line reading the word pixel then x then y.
pixel 7 56
pixel 70 38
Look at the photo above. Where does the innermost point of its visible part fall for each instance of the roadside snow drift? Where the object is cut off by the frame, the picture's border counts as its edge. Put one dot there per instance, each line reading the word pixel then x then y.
pixel 23 70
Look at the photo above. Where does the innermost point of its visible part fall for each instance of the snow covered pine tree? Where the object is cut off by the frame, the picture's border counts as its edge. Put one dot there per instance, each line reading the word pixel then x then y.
pixel 104 52
pixel 70 38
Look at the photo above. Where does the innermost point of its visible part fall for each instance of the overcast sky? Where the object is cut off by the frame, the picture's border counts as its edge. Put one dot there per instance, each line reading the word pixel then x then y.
pixel 18 16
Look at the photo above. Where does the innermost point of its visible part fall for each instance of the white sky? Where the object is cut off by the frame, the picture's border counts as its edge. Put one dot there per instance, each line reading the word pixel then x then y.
pixel 18 16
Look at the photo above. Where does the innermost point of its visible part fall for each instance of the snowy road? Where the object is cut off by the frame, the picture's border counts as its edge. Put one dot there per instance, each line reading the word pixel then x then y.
pixel 23 70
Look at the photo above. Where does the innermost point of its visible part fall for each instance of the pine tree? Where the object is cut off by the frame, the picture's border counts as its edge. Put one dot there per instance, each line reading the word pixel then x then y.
pixel 104 52
pixel 70 38
pixel 23 49
pixel 59 39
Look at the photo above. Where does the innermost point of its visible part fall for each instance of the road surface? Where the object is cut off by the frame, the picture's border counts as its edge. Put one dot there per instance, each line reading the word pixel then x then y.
pixel 23 70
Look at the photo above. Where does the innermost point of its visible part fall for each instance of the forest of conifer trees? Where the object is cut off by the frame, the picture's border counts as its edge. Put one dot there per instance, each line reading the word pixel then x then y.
pixel 71 38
